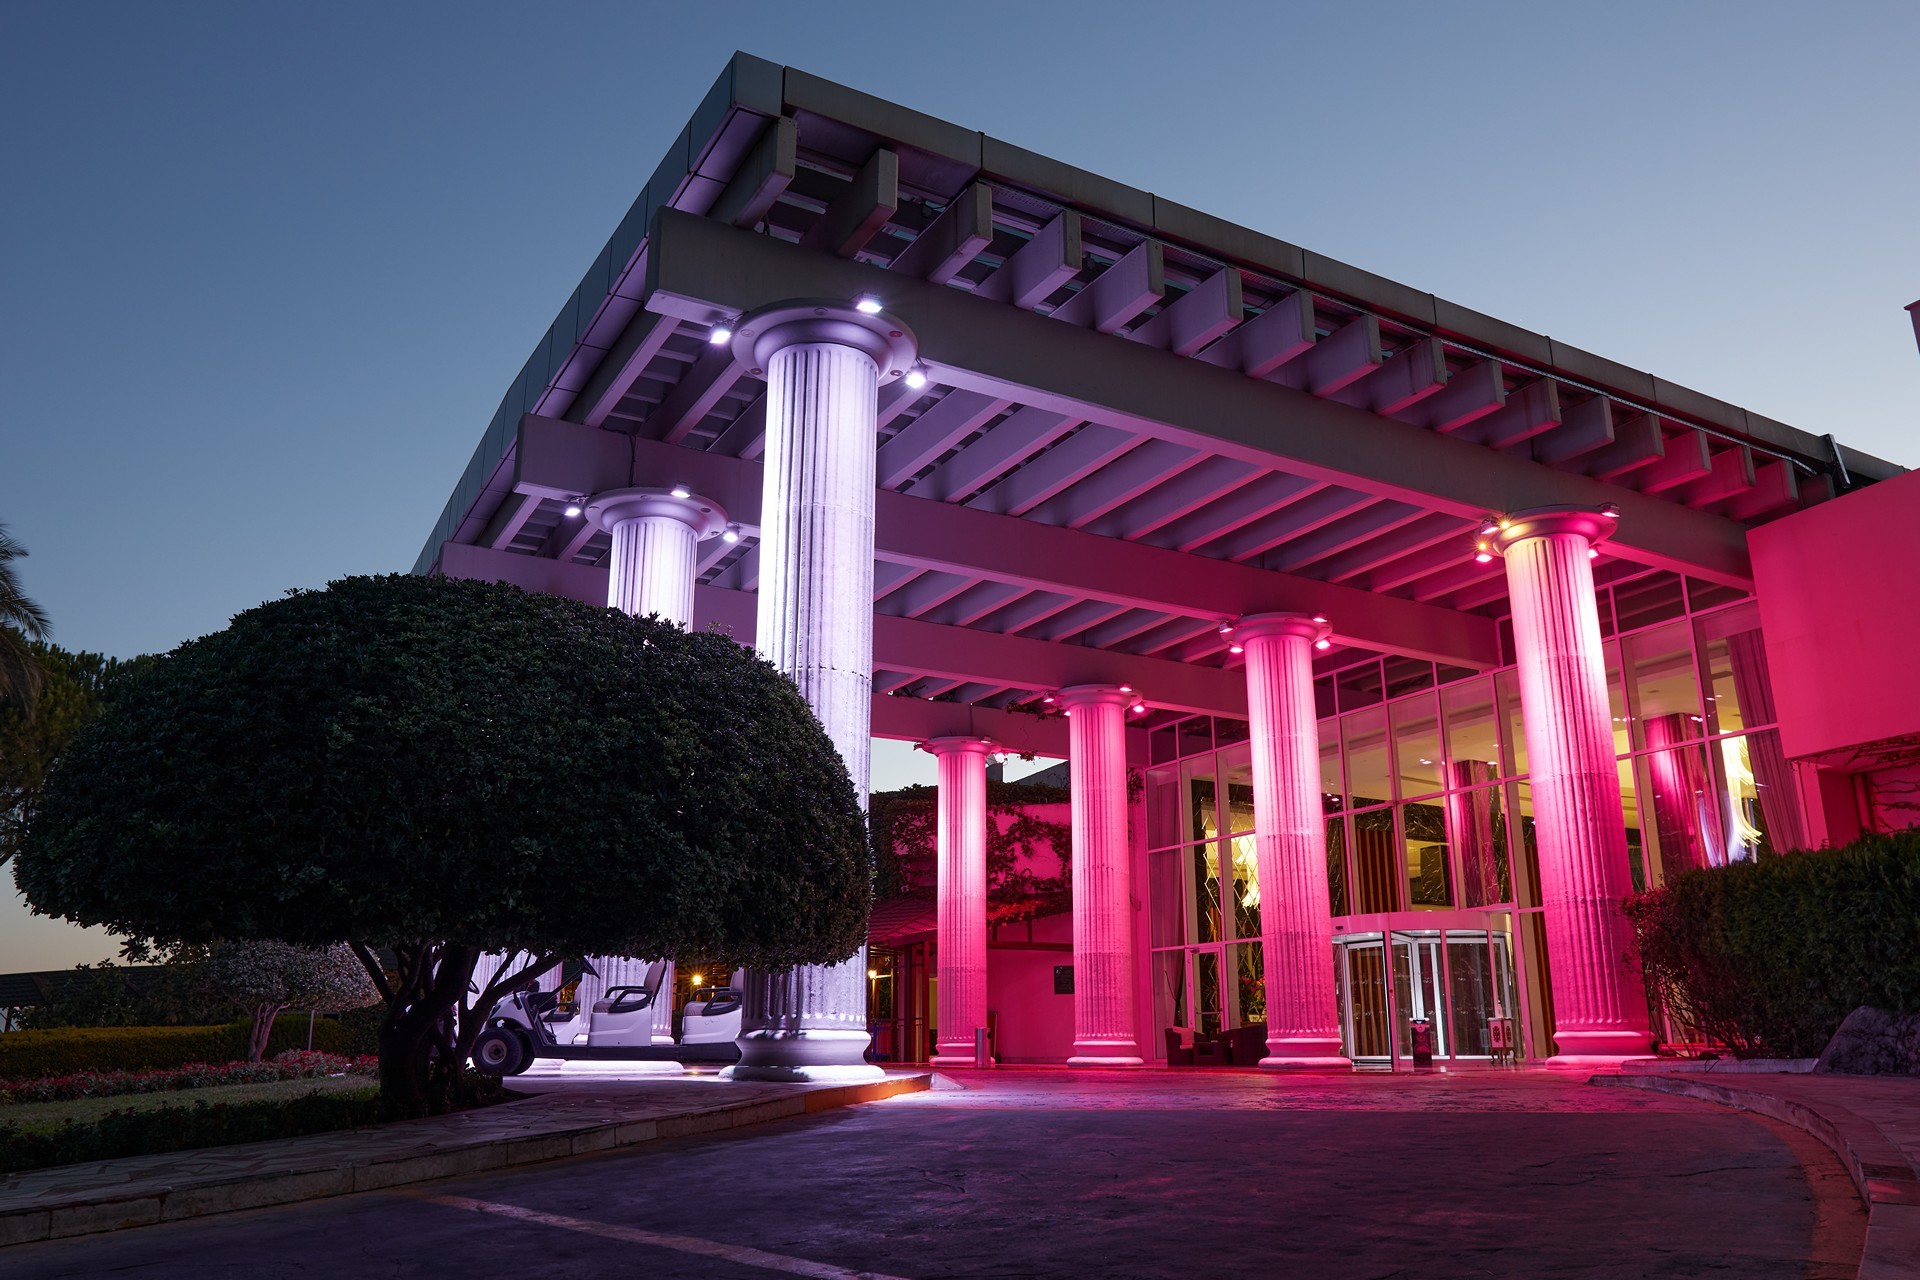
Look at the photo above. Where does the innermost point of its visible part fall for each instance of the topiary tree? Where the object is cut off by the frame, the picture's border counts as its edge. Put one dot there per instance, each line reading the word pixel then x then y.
pixel 448 768
pixel 262 978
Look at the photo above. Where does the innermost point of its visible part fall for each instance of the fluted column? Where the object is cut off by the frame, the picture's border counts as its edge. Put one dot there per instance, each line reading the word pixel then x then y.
pixel 1598 1003
pixel 654 537
pixel 823 364
pixel 1103 1030
pixel 1290 842
pixel 961 877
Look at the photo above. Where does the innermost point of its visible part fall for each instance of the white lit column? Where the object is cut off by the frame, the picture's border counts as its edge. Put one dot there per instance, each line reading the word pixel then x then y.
pixel 654 559
pixel 1599 1007
pixel 823 363
pixel 1102 877
pixel 962 895
pixel 1290 835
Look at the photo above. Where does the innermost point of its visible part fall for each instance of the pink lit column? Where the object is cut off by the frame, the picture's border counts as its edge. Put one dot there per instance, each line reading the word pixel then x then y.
pixel 1289 823
pixel 962 892
pixel 1103 1032
pixel 823 363
pixel 1598 1003
pixel 654 538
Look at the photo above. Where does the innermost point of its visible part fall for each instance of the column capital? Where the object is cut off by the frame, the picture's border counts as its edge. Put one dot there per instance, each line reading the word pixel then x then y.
pixel 1596 525
pixel 1090 695
pixel 703 515
pixel 1307 626
pixel 958 744
pixel 883 338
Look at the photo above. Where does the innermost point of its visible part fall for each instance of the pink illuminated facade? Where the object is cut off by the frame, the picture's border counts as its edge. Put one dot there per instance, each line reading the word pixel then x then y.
pixel 1387 645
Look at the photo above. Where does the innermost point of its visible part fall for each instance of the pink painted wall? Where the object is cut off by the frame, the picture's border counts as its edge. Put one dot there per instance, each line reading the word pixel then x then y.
pixel 1839 592
pixel 1031 1022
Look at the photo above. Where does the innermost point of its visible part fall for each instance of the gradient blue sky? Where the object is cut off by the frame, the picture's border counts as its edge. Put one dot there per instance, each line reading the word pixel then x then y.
pixel 268 268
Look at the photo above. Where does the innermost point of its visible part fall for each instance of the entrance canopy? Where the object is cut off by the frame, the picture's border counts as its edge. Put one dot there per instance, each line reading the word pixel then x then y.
pixel 1129 423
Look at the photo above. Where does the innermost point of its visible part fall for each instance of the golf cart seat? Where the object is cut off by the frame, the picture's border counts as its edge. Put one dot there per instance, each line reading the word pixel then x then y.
pixel 634 999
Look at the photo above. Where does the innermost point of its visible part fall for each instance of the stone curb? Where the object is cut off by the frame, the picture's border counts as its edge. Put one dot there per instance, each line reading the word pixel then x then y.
pixel 85 1214
pixel 1881 1172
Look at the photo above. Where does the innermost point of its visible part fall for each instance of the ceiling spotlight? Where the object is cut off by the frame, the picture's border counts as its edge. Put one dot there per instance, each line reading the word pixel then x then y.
pixel 681 491
pixel 573 510
pixel 1593 553
pixel 916 379
pixel 867 305
pixel 1483 557
pixel 1047 700
pixel 1140 709
pixel 1490 527
pixel 719 335
pixel 1236 648
pixel 1611 511
pixel 1320 618
pixel 731 534
pixel 1323 643
pixel 1226 628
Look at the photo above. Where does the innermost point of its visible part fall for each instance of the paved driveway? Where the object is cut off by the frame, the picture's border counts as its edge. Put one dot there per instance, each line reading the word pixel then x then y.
pixel 1110 1175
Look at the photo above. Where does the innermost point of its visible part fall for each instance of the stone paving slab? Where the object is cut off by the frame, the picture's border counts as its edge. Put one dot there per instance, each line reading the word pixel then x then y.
pixel 1871 1122
pixel 564 1117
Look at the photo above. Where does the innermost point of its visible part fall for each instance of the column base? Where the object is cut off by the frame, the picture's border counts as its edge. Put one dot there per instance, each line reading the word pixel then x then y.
pixel 1305 1053
pixel 808 1056
pixel 1106 1055
pixel 1291 1062
pixel 1599 1048
pixel 956 1060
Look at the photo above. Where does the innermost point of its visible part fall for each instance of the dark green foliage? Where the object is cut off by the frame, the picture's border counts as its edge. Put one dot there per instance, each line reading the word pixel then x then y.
pixel 1768 957
pixel 174 994
pixel 904 825
pixel 28 1055
pixel 444 768
pixel 182 1128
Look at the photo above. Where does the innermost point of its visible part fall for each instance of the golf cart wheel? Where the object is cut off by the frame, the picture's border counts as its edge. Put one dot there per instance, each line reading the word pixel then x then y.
pixel 501 1051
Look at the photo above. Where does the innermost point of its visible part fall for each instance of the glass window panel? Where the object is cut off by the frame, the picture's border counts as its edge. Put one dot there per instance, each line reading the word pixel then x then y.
pixel 1164 824
pixel 1445 675
pixel 1196 735
pixel 1332 792
pixel 1227 732
pixel 1663 687
pixel 1323 704
pixel 1429 866
pixel 1359 686
pixel 1170 994
pixel 1204 918
pixel 1252 982
pixel 1161 746
pixel 1651 598
pixel 1775 808
pixel 1207 971
pixel 1202 820
pixel 1524 840
pixel 1603 601
pixel 1416 746
pixel 1338 902
pixel 1477 837
pixel 1236 773
pixel 1506 686
pixel 1471 992
pixel 1376 872
pixel 1617 700
pixel 1166 896
pixel 1245 887
pixel 1681 804
pixel 1706 595
pixel 1636 841
pixel 1365 737
pixel 1473 732
pixel 1405 675
pixel 1739 691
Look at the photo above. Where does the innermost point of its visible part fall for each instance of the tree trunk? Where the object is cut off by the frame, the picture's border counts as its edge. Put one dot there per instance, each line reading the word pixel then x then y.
pixel 262 1030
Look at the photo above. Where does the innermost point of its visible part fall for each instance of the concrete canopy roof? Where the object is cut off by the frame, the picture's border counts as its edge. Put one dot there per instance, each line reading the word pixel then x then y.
pixel 1139 419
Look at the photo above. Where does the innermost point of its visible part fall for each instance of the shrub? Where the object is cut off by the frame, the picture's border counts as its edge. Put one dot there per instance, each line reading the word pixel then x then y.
pixel 180 1128
pixel 62 1051
pixel 1768 957
pixel 294 1064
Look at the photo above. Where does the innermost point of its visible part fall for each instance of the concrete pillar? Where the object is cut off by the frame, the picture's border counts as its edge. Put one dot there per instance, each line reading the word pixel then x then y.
pixel 1103 1026
pixel 1290 835
pixel 823 363
pixel 655 535
pixel 1598 1003
pixel 962 895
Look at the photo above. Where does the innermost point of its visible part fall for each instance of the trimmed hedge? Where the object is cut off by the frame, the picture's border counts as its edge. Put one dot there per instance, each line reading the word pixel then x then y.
pixel 59 1051
pixel 162 1129
pixel 1768 957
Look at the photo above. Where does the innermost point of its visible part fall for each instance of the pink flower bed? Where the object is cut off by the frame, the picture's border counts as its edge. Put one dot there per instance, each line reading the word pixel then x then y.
pixel 294 1064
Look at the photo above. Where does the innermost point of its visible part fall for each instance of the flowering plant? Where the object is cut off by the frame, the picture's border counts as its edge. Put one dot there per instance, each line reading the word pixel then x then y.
pixel 294 1064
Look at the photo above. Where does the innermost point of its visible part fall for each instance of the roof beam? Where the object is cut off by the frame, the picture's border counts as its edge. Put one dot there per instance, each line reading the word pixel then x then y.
pixel 1529 412
pixel 1121 292
pixel 1283 332
pixel 1266 495
pixel 508 519
pixel 1067 463
pixel 860 210
pixel 1197 317
pixel 1312 511
pixel 1685 458
pixel 621 367
pixel 1732 474
pixel 958 415
pixel 1470 395
pixel 952 240
pixel 1037 269
pixel 1019 436
pixel 1405 379
pixel 1206 481
pixel 1775 484
pixel 1415 535
pixel 695 265
pixel 763 176
pixel 1348 531
pixel 1117 483
pixel 1636 442
pixel 700 390
pixel 1343 357
pixel 1583 428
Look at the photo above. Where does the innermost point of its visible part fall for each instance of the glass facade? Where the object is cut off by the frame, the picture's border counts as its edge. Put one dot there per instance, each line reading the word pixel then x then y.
pixel 1432 865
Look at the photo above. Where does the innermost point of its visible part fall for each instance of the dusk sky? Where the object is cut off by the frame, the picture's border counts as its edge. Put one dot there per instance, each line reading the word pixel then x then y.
pixel 269 268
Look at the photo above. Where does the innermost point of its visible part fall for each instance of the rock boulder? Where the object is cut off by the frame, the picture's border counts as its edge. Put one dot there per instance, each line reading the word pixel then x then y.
pixel 1874 1042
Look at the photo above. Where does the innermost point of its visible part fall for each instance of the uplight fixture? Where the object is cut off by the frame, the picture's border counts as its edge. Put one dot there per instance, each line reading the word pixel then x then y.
pixel 916 378
pixel 573 510
pixel 720 335
pixel 1236 648
pixel 681 491
pixel 731 534
pixel 867 305
pixel 1593 553
pixel 1323 643
pixel 1226 627
pixel 1483 557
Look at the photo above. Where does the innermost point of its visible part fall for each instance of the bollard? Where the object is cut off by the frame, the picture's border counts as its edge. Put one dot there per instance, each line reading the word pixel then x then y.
pixel 982 1058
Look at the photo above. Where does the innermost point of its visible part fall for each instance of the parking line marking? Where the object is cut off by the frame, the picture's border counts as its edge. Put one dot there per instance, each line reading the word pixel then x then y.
pixel 683 1244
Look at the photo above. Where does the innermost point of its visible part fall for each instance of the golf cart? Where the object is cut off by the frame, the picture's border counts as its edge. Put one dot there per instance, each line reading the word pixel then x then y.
pixel 531 1024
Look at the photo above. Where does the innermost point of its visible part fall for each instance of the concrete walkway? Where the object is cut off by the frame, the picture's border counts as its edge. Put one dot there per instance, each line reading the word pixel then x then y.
pixel 1871 1122
pixel 567 1115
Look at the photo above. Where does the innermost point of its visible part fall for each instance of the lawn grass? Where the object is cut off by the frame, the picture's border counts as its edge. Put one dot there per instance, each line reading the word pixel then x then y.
pixel 45 1117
